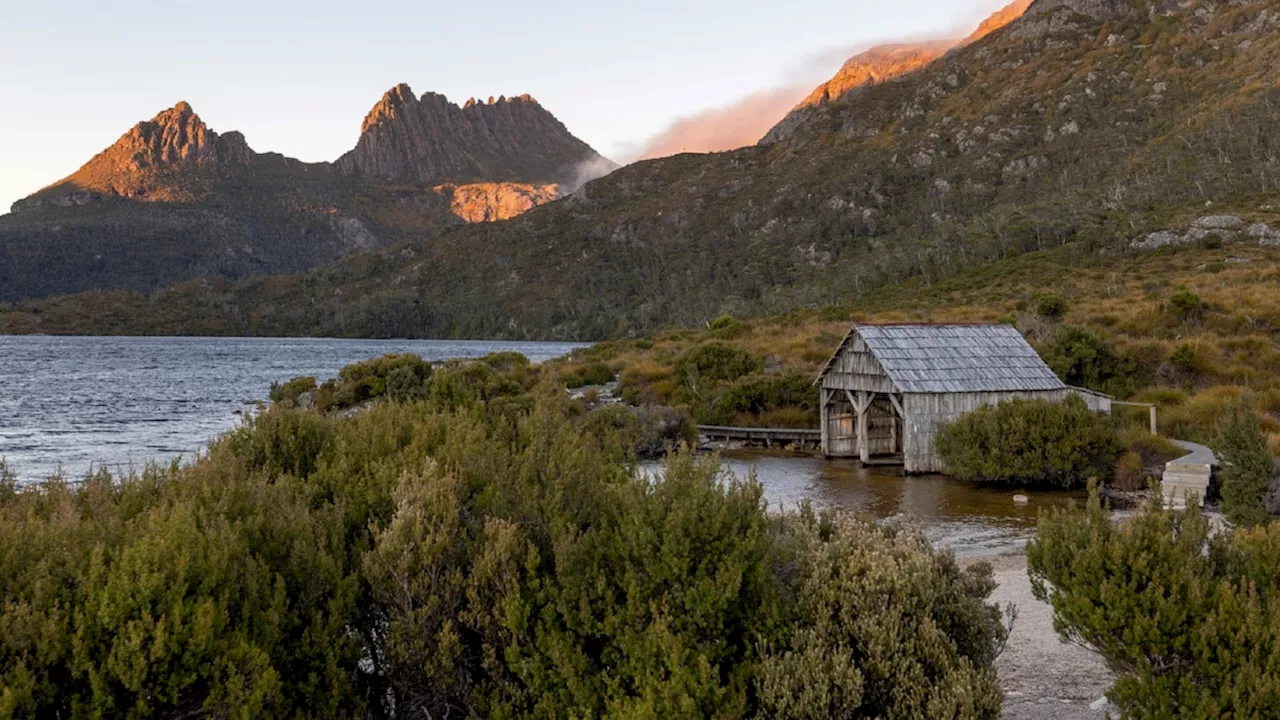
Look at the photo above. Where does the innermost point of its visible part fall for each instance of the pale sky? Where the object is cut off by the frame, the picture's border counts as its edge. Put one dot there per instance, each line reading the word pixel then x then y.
pixel 298 77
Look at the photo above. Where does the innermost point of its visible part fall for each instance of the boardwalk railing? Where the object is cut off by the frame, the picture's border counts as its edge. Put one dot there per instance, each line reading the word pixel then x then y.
pixel 773 436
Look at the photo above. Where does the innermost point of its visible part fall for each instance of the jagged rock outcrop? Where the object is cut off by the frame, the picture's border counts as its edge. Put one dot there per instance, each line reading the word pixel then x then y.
pixel 173 139
pixel 487 202
pixel 431 140
pixel 883 63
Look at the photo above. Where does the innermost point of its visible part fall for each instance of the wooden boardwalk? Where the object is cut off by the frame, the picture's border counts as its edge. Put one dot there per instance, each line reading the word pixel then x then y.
pixel 769 436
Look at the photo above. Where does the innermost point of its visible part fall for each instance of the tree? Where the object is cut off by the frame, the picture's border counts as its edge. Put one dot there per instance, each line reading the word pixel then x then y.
pixel 1188 620
pixel 1247 465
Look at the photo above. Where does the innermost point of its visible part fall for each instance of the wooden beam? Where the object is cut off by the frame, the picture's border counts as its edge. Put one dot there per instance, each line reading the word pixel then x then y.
pixel 864 452
pixel 825 396
pixel 897 405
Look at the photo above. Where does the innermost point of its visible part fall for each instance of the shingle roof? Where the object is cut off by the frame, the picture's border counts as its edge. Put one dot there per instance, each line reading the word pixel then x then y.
pixel 956 358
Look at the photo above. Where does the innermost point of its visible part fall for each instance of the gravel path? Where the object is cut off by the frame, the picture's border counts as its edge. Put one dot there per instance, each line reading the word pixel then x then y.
pixel 1043 677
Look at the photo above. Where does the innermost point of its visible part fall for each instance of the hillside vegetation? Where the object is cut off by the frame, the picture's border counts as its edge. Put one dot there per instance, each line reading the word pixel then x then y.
pixel 1189 328
pixel 1083 123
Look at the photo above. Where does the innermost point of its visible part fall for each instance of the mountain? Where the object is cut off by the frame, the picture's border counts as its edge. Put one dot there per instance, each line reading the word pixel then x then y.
pixel 1084 123
pixel 882 63
pixel 429 140
pixel 173 200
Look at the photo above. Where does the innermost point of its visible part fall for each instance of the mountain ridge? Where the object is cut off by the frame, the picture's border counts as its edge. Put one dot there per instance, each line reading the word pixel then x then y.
pixel 172 199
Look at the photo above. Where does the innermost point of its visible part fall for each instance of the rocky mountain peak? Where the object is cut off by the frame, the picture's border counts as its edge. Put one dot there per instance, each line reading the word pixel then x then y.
pixel 175 138
pixel 886 62
pixel 431 140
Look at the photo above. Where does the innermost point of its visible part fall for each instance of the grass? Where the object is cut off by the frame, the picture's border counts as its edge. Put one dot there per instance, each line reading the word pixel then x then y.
pixel 1191 365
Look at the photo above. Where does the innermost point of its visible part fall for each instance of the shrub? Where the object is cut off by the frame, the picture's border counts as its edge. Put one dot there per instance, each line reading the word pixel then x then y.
pixel 1189 620
pixel 1084 359
pixel 836 664
pixel 1186 305
pixel 596 373
pixel 726 327
pixel 406 383
pixel 716 361
pixel 1130 473
pixel 758 395
pixel 468 384
pixel 1152 450
pixel 411 561
pixel 1033 442
pixel 290 391
pixel 1052 307
pixel 1247 465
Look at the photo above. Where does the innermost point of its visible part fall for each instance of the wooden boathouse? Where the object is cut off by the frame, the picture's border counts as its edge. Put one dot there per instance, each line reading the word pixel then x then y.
pixel 888 388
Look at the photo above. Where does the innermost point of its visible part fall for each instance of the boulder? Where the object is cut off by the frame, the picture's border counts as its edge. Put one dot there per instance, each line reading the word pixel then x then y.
pixel 1218 222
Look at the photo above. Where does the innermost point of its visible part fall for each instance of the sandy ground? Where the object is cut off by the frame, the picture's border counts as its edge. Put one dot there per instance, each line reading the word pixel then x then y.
pixel 1043 678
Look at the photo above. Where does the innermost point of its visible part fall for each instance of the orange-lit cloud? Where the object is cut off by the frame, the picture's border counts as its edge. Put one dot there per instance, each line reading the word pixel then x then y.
pixel 726 128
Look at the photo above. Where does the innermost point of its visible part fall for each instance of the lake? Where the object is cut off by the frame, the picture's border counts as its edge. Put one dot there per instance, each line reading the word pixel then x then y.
pixel 68 404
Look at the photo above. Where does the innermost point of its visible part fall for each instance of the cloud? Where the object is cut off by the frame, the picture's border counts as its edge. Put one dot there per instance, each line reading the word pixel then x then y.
pixel 745 121
pixel 728 127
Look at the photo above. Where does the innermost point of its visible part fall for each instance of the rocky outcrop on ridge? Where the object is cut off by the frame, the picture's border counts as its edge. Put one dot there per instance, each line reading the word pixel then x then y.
pixel 430 140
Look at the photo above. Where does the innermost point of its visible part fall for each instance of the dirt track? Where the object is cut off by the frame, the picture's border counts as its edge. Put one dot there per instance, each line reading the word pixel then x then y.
pixel 1043 677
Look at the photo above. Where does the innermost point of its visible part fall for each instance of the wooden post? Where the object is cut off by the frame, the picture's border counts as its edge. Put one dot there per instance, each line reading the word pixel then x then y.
pixel 1154 429
pixel 824 398
pixel 864 452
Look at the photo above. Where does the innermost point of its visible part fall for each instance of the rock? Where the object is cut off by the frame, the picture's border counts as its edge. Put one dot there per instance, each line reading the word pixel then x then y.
pixel 1160 238
pixel 1100 705
pixel 486 202
pixel 431 140
pixel 1218 222
pixel 1264 234
pixel 773 365
pixel 1021 499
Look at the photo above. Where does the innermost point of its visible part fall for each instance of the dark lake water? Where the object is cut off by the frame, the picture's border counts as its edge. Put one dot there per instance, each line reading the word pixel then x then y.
pixel 69 403
pixel 974 520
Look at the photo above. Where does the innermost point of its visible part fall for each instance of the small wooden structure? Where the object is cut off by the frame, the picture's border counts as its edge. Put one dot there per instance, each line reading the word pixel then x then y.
pixel 888 388
pixel 767 437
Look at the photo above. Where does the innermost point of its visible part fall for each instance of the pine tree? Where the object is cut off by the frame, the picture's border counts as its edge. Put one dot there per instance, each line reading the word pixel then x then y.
pixel 1247 466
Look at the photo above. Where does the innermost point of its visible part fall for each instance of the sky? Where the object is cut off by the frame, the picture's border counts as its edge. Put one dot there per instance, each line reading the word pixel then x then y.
pixel 298 77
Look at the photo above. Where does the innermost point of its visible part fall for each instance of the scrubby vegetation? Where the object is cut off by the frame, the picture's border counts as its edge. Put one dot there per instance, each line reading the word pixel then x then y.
pixel 1033 442
pixel 482 549
pixel 1187 618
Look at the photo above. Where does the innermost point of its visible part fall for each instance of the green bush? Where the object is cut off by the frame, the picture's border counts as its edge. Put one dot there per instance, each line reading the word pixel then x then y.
pixel 757 395
pixel 837 663
pixel 1031 442
pixel 1082 358
pixel 1247 465
pixel 716 361
pixel 406 383
pixel 1186 305
pixel 290 391
pixel 475 555
pixel 596 373
pixel 1052 306
pixel 1188 619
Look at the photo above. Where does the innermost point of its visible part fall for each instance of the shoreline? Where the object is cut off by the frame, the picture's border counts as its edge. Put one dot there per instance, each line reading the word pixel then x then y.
pixel 1043 678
